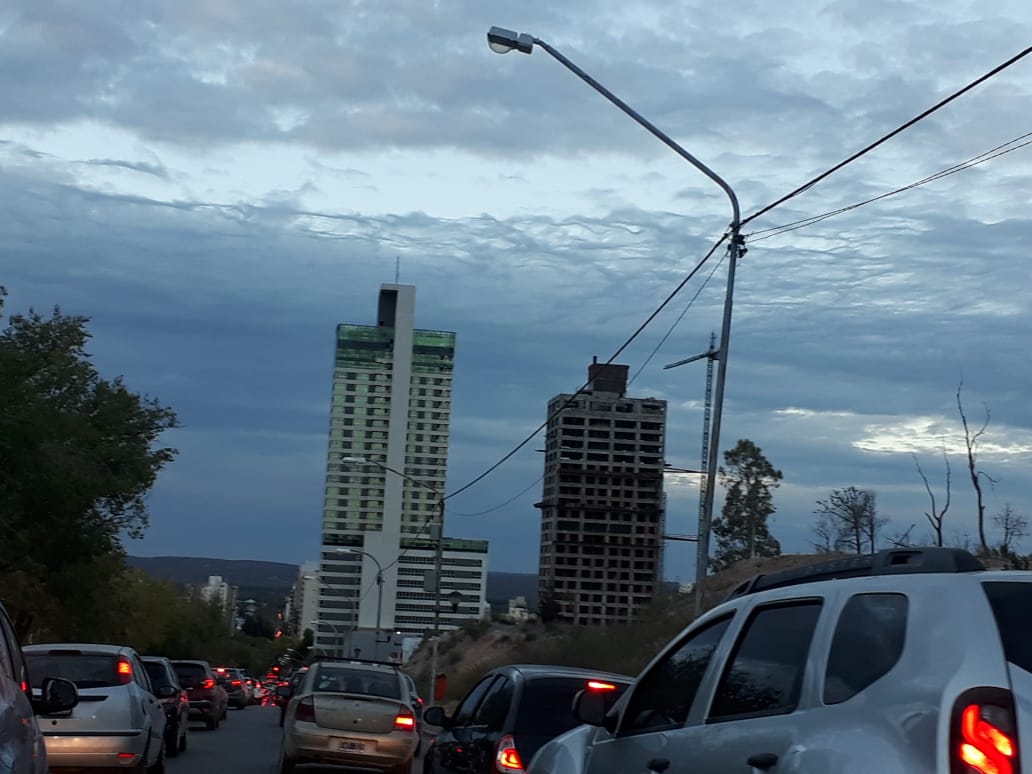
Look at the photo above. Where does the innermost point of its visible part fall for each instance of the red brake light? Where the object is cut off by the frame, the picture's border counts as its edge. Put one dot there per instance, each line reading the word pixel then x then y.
pixel 598 685
pixel 508 760
pixel 209 683
pixel 125 672
pixel 305 711
pixel 405 721
pixel 235 682
pixel 984 746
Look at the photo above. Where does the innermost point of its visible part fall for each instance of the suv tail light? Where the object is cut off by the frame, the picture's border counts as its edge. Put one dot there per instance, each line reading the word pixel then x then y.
pixel 405 721
pixel 305 711
pixel 983 735
pixel 598 685
pixel 236 682
pixel 208 684
pixel 125 672
pixel 508 760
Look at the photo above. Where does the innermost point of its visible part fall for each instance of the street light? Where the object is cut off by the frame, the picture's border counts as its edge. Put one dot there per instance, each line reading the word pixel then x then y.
pixel 502 41
pixel 340 640
pixel 379 586
pixel 438 554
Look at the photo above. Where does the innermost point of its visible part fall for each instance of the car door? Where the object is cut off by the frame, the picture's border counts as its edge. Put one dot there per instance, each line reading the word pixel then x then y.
pixel 753 718
pixel 658 706
pixel 154 713
pixel 21 744
pixel 488 722
pixel 451 748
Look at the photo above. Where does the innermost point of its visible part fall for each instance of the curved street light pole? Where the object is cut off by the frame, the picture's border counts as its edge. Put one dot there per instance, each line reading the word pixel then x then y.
pixel 502 41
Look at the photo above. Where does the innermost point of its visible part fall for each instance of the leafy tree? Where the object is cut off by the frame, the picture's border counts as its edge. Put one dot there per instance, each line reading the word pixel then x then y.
pixel 848 521
pixel 549 607
pixel 78 455
pixel 741 530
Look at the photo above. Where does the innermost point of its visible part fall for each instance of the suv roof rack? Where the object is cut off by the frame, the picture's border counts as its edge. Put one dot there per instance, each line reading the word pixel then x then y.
pixel 893 561
pixel 353 660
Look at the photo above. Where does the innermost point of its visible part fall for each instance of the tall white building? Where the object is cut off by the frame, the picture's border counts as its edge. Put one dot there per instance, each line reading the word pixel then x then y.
pixel 391 406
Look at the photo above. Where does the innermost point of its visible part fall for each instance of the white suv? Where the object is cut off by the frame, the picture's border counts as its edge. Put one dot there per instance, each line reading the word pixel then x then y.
pixel 910 661
pixel 118 722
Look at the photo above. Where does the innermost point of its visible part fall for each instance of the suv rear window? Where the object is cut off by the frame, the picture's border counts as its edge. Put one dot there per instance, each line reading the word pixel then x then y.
pixel 1011 602
pixel 86 670
pixel 546 707
pixel 191 673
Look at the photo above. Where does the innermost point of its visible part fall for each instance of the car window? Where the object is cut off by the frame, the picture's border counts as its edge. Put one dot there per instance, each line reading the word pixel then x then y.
pixel 868 641
pixel 464 713
pixel 765 671
pixel 158 674
pixel 494 709
pixel 1010 602
pixel 191 674
pixel 86 670
pixel 546 705
pixel 364 681
pixel 663 696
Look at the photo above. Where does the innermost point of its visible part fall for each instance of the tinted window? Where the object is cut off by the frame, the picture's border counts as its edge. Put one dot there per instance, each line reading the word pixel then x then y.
pixel 663 697
pixel 868 641
pixel 159 676
pixel 464 714
pixel 546 706
pixel 495 707
pixel 765 671
pixel 191 674
pixel 85 670
pixel 1011 603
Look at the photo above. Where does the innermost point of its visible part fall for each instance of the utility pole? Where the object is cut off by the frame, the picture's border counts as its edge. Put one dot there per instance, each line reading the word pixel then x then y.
pixel 438 561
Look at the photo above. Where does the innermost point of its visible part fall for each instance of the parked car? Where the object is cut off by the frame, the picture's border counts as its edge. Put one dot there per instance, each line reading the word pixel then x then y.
pixel 175 701
pixel 232 680
pixel 118 721
pixel 22 749
pixel 351 713
pixel 912 660
pixel 286 689
pixel 208 700
pixel 509 714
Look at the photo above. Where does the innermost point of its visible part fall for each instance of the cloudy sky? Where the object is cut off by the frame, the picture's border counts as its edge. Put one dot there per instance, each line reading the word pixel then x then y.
pixel 217 183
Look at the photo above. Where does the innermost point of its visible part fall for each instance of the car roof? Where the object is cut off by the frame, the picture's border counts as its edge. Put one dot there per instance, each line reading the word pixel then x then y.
pixel 540 671
pixel 85 647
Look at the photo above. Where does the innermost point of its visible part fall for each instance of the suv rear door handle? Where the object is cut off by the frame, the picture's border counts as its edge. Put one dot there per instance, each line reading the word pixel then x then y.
pixel 761 761
pixel 659 765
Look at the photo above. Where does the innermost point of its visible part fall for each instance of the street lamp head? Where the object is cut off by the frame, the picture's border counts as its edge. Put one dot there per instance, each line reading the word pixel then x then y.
pixel 502 41
pixel 354 460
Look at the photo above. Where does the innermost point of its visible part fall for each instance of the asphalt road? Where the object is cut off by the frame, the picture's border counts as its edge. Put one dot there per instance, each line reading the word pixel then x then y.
pixel 247 742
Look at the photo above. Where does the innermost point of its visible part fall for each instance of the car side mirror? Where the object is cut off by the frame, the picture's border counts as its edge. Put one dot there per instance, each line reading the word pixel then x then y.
pixel 167 692
pixel 57 696
pixel 591 707
pixel 285 691
pixel 436 716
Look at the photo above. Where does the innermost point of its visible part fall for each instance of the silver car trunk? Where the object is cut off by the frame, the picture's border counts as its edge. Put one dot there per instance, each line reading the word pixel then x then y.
pixel 355 712
pixel 104 703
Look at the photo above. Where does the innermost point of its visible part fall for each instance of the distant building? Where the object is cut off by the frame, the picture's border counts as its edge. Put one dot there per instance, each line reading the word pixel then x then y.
pixel 518 610
pixel 602 506
pixel 304 599
pixel 217 589
pixel 391 405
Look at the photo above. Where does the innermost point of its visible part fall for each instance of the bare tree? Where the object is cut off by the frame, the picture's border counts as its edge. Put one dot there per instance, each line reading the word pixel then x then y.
pixel 971 442
pixel 825 535
pixel 1013 527
pixel 902 539
pixel 850 517
pixel 935 516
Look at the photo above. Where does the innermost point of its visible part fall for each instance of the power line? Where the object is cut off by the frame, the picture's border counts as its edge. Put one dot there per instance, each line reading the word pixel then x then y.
pixel 505 458
pixel 981 158
pixel 512 499
pixel 885 138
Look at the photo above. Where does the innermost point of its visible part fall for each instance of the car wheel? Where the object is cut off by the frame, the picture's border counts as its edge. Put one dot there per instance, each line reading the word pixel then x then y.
pixel 428 762
pixel 288 765
pixel 182 741
pixel 172 743
pixel 211 722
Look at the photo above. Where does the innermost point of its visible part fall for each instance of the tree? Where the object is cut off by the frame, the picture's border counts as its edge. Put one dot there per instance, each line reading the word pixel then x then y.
pixel 741 530
pixel 971 441
pixel 549 607
pixel 1013 527
pixel 935 515
pixel 850 520
pixel 78 455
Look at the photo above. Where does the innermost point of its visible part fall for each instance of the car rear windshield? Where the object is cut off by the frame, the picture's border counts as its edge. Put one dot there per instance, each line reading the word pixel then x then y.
pixel 365 681
pixel 1011 602
pixel 193 673
pixel 546 708
pixel 86 670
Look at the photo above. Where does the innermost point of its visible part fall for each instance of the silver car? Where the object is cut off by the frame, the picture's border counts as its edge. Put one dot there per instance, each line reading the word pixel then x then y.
pixel 910 661
pixel 351 713
pixel 118 722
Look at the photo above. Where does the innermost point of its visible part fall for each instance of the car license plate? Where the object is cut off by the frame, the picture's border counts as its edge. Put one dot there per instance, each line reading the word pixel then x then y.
pixel 351 745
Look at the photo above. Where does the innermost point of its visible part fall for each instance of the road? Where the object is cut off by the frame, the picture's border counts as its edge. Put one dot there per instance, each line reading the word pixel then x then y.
pixel 248 742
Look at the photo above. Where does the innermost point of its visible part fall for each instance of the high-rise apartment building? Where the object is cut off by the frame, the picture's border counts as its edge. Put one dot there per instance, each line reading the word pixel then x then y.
pixel 602 509
pixel 391 409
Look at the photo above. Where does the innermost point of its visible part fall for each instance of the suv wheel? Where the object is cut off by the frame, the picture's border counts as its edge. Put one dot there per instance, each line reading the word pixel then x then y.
pixel 211 722
pixel 172 742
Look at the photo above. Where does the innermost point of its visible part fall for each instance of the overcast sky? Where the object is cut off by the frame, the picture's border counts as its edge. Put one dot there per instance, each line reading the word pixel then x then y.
pixel 217 183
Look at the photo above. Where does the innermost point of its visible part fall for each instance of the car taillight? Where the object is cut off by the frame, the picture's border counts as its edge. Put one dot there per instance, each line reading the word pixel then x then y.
pixel 209 683
pixel 404 721
pixel 236 682
pixel 507 760
pixel 125 672
pixel 305 711
pixel 598 685
pixel 984 736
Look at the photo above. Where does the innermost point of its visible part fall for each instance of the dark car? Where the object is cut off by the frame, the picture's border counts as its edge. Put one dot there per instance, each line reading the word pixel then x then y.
pixel 208 700
pixel 290 684
pixel 509 715
pixel 233 680
pixel 174 700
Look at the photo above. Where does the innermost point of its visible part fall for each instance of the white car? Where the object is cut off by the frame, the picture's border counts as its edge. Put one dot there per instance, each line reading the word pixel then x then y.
pixel 118 722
